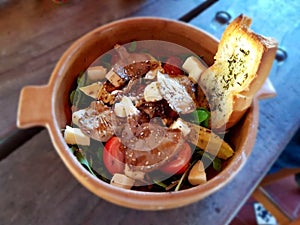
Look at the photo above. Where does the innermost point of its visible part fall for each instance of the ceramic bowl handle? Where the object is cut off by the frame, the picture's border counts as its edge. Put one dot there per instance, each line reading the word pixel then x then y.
pixel 34 106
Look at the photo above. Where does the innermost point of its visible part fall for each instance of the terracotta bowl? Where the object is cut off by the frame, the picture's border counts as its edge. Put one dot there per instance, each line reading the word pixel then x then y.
pixel 49 106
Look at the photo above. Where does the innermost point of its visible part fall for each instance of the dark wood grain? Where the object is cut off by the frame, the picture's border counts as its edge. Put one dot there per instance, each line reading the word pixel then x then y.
pixel 35 186
pixel 34 34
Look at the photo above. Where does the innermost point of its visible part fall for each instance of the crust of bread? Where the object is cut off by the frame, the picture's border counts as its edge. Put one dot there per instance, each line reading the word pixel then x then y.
pixel 242 64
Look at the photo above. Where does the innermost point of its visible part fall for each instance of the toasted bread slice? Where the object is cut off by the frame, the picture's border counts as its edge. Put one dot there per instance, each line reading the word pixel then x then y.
pixel 242 64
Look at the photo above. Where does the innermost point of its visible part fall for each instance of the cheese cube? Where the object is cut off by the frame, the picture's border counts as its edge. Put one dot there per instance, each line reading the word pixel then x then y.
pixel 129 107
pixel 77 115
pixel 152 92
pixel 194 67
pixel 92 90
pixel 122 181
pixel 96 73
pixel 120 109
pixel 75 136
pixel 181 125
pixel 136 175
pixel 114 78
pixel 197 174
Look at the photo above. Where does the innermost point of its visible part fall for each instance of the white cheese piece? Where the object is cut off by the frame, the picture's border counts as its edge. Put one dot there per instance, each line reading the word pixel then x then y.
pixel 136 175
pixel 152 92
pixel 122 181
pixel 197 174
pixel 175 94
pixel 96 73
pixel 77 115
pixel 194 67
pixel 130 109
pixel 151 74
pixel 120 110
pixel 181 125
pixel 75 136
pixel 114 78
pixel 92 90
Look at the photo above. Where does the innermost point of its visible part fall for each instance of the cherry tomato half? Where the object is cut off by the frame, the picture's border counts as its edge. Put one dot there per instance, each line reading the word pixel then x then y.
pixel 172 66
pixel 180 163
pixel 113 156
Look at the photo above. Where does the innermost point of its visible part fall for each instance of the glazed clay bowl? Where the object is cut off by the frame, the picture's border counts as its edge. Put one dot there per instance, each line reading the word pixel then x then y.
pixel 49 106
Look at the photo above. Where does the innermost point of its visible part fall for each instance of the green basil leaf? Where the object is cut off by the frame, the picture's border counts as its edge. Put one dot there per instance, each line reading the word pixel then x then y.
pixel 81 158
pixel 201 115
pixel 217 164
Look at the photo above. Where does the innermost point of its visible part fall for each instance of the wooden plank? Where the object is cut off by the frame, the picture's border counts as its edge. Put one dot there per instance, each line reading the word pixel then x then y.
pixel 34 34
pixel 15 139
pixel 279 117
pixel 35 186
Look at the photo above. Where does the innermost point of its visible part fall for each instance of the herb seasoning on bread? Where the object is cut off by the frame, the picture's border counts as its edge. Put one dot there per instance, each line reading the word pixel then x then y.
pixel 242 64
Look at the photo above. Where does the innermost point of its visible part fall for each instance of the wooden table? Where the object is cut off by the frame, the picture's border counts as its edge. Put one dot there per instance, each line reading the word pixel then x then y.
pixel 35 186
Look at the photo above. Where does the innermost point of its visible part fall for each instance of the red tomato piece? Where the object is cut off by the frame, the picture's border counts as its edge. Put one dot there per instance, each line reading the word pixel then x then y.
pixel 172 66
pixel 181 161
pixel 113 156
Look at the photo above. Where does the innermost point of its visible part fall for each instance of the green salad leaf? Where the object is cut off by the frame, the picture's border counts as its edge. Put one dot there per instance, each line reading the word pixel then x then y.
pixel 82 159
pixel 216 162
pixel 200 116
